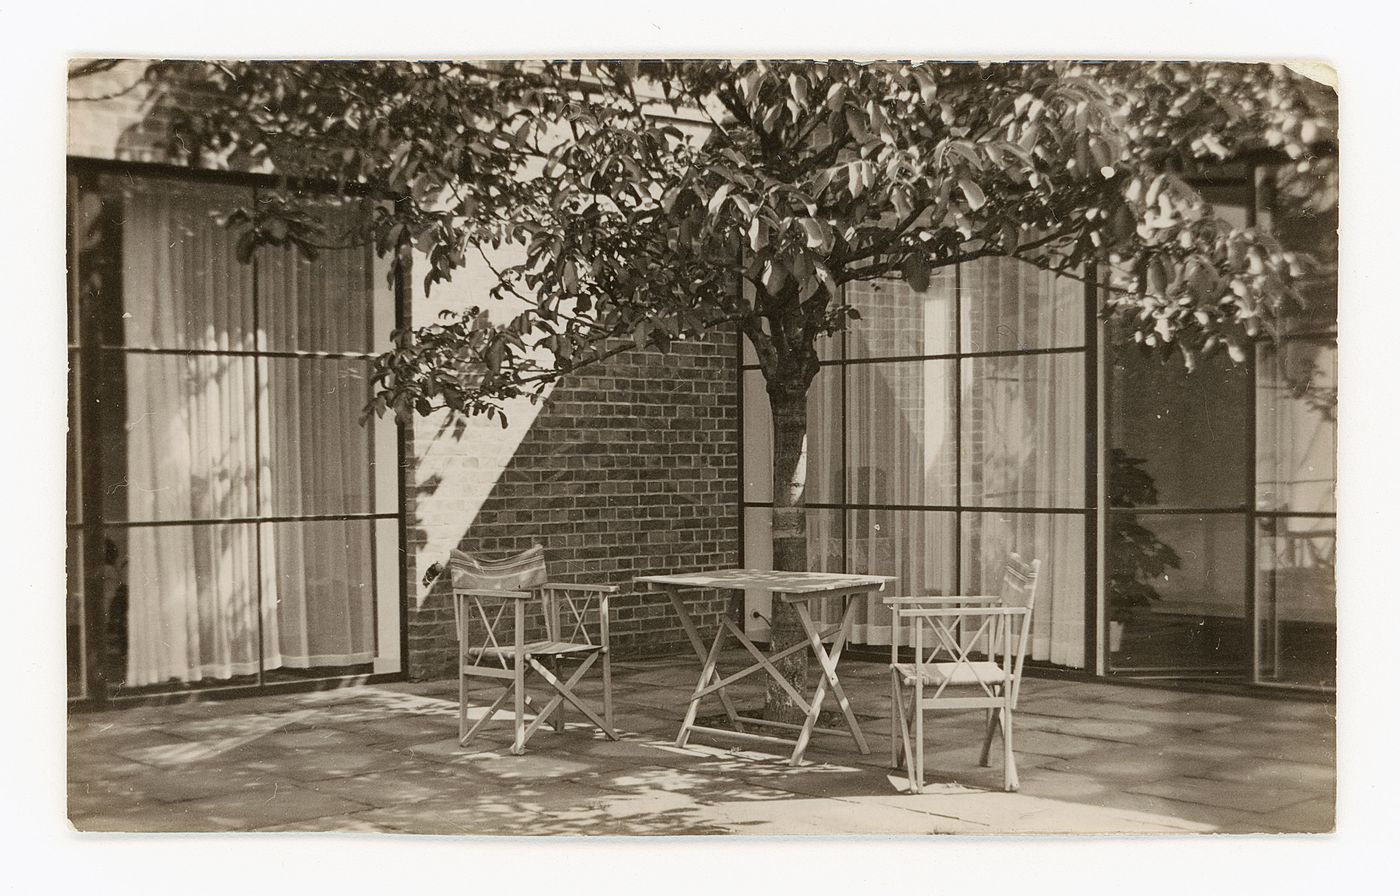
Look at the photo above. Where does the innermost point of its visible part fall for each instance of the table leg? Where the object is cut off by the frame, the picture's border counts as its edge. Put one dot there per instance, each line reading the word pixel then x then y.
pixel 828 664
pixel 698 645
pixel 707 671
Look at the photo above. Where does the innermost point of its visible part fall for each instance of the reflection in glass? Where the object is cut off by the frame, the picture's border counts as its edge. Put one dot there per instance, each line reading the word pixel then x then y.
pixel 73 614
pixel 1197 622
pixel 918 548
pixel 1057 541
pixel 1303 203
pixel 1296 600
pixel 1009 305
pixel 825 553
pixel 1190 429
pixel 897 321
pixel 1023 431
pixel 1297 426
pixel 901 447
pixel 823 438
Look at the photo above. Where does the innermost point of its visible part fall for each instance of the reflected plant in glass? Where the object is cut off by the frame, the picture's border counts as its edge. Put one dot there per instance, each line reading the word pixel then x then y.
pixel 1136 556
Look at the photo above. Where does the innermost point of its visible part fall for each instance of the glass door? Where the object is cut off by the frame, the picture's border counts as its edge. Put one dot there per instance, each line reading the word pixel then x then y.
pixel 240 525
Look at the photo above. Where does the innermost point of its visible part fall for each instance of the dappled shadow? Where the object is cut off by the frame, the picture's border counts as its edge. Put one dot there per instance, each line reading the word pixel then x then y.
pixel 386 759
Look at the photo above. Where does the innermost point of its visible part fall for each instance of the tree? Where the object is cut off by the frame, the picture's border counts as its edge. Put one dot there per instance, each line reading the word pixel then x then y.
pixel 810 176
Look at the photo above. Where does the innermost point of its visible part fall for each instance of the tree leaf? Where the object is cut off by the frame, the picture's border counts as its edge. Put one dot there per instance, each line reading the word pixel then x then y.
pixel 975 197
pixel 916 272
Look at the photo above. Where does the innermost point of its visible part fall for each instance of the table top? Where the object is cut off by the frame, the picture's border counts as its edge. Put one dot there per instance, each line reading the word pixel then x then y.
pixel 771 581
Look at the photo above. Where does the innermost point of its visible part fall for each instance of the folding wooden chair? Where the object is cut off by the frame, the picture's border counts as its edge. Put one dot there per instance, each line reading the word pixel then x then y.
pixel 497 606
pixel 967 652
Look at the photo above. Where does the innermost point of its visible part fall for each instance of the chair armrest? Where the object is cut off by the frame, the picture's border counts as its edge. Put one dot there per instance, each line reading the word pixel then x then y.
pixel 944 599
pixel 962 611
pixel 573 586
pixel 503 595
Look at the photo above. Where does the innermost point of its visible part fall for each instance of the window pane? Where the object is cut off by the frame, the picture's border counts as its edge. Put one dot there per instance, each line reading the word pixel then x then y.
pixel 323 305
pixel 190 450
pixel 1187 433
pixel 1008 305
pixel 319 576
pixel 1296 601
pixel 75 477
pixel 1023 431
pixel 915 546
pixel 825 553
pixel 1297 420
pixel 901 447
pixel 897 321
pixel 182 285
pixel 1057 541
pixel 318 453
pixel 1304 219
pixel 823 438
pixel 181 604
pixel 758 439
pixel 73 614
pixel 1177 592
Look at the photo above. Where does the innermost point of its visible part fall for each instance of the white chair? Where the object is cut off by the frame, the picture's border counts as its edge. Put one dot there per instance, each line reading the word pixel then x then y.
pixel 967 653
pixel 506 646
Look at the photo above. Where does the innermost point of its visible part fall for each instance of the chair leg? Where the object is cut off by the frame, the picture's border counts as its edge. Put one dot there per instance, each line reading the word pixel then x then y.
pixel 1010 780
pixel 558 720
pixel 518 746
pixel 896 750
pixel 917 708
pixel 993 720
pixel 462 691
pixel 607 689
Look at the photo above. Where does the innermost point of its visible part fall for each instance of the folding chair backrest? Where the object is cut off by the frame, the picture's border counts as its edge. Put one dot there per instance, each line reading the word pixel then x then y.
pixel 1018 589
pixel 1018 584
pixel 521 572
pixel 472 575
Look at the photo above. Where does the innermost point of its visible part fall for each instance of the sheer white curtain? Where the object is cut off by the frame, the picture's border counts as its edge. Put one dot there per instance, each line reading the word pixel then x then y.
pixel 1023 446
pixel 900 446
pixel 191 452
pixel 201 444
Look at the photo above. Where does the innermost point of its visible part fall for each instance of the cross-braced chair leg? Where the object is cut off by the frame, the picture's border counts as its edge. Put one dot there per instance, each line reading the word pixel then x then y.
pixel 1009 778
pixel 993 722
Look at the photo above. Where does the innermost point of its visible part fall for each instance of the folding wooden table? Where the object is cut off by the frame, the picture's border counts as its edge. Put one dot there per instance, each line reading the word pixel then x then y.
pixel 799 589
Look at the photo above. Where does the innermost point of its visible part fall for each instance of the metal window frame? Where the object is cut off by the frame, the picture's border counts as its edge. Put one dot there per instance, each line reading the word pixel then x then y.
pixel 1087 350
pixel 90 351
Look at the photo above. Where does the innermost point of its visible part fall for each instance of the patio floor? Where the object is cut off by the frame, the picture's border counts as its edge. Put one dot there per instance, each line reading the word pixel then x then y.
pixel 1094 758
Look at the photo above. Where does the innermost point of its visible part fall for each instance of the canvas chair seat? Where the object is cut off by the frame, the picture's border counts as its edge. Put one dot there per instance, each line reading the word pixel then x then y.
pixel 533 648
pixel 500 607
pixel 935 674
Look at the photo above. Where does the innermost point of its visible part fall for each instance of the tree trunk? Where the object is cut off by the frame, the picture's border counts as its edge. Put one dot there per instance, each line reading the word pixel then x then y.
pixel 788 401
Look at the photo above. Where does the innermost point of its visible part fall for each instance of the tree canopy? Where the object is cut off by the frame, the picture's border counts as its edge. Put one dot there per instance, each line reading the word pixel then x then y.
pixel 651 202
pixel 636 228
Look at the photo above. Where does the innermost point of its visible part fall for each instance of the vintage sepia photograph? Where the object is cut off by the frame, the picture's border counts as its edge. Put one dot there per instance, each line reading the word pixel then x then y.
pixel 692 446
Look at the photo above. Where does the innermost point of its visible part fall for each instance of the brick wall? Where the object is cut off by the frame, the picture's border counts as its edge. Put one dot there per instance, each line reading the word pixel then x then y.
pixel 627 470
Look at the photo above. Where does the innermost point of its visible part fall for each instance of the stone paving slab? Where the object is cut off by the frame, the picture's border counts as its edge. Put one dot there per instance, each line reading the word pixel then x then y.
pixel 1093 758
